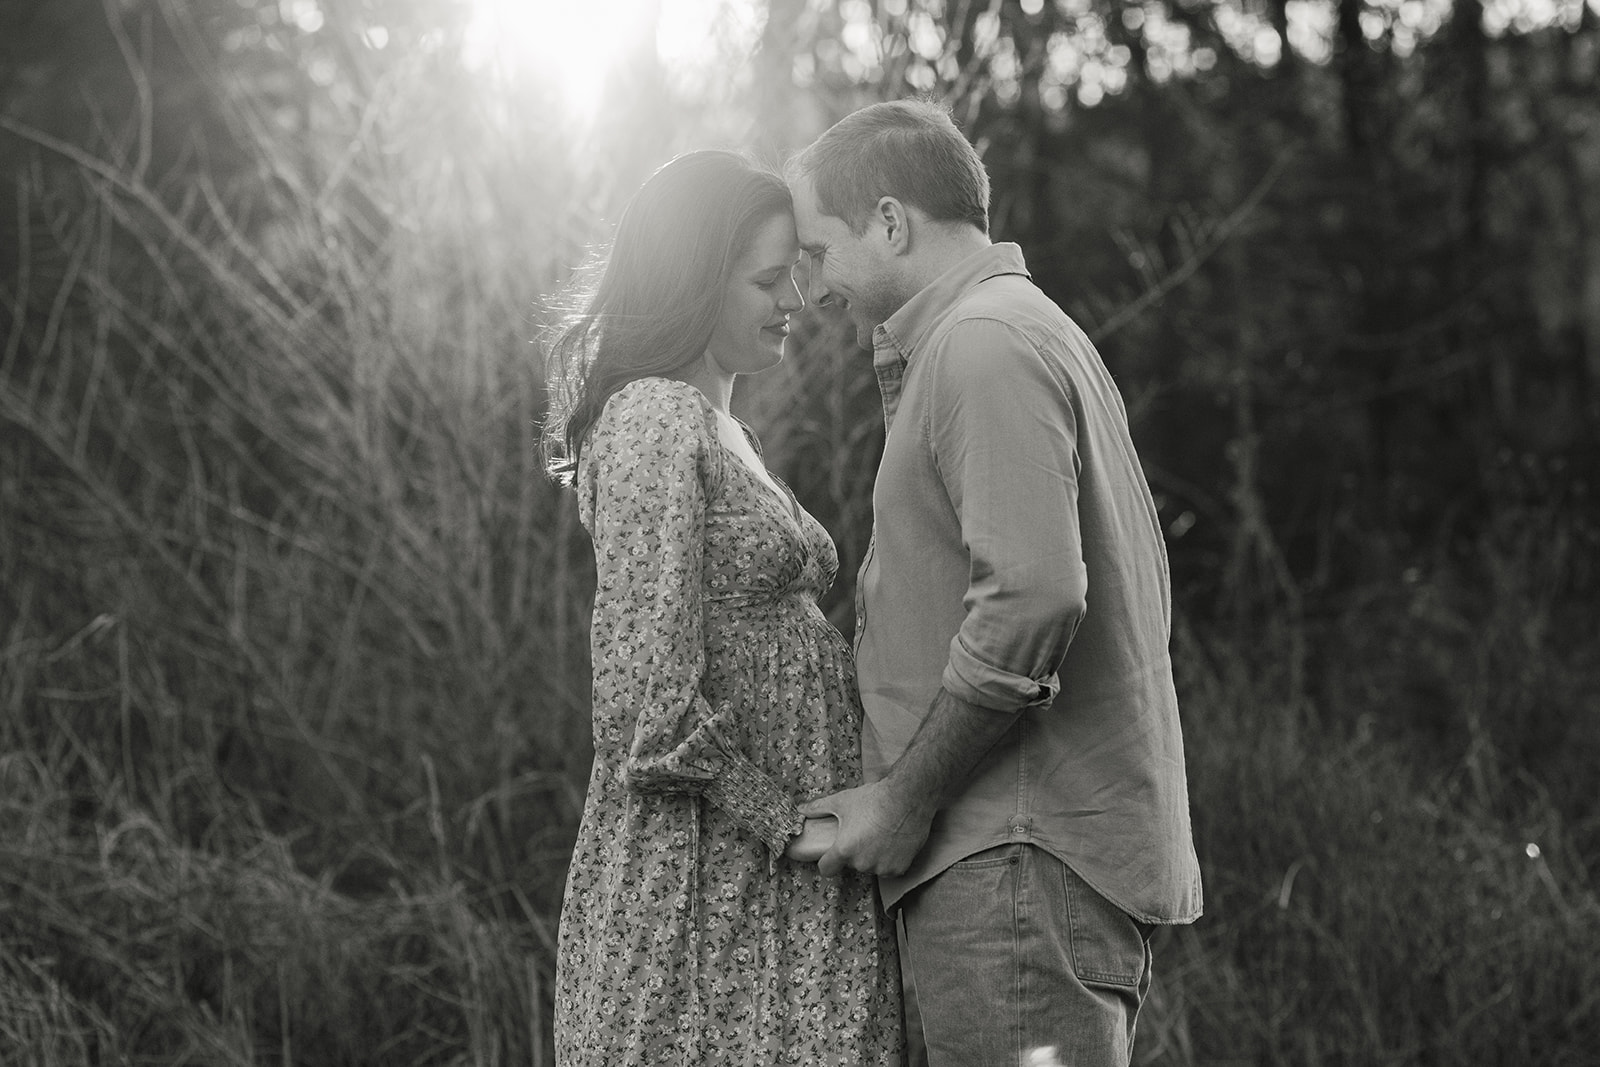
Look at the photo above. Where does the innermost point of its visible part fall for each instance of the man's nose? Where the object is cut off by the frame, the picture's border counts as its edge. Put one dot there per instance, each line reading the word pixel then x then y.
pixel 816 291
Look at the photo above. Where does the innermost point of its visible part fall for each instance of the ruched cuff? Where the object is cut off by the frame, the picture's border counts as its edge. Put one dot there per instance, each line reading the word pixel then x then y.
pixel 987 686
pixel 756 803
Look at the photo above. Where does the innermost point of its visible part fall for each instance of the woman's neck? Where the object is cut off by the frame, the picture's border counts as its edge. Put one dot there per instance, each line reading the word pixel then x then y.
pixel 718 388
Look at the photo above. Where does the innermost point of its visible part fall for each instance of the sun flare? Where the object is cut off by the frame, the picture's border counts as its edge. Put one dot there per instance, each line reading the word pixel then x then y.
pixel 574 46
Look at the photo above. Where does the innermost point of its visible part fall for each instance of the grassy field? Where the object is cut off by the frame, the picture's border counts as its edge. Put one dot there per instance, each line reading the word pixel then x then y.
pixel 293 676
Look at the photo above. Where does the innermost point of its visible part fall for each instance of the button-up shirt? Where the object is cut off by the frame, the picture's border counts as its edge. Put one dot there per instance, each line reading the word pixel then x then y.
pixel 1017 561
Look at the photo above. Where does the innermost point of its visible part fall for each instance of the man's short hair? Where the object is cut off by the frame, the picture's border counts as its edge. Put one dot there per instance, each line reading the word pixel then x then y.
pixel 908 149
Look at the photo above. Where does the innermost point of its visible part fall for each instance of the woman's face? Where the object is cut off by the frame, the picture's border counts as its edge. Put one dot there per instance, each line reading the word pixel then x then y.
pixel 760 298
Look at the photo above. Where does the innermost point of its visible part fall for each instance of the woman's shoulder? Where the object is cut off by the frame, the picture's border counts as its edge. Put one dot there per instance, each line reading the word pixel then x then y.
pixel 659 394
pixel 654 408
pixel 653 434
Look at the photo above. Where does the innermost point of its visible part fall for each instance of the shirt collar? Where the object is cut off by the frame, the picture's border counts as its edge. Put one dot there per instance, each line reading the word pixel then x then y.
pixel 897 339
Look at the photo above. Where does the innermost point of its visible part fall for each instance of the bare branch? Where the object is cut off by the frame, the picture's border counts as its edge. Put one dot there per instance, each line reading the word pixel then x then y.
pixel 1187 269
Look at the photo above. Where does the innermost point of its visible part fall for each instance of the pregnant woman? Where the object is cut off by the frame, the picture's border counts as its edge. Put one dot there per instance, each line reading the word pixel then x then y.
pixel 694 931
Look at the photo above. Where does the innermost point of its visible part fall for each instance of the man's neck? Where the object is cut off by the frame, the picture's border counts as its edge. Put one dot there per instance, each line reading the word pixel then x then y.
pixel 941 248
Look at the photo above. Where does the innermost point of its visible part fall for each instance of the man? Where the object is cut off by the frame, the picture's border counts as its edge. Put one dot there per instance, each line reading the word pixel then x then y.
pixel 1026 808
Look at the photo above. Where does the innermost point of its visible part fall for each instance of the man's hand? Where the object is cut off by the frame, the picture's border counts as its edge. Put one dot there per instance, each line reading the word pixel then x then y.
pixel 884 825
pixel 814 839
pixel 879 831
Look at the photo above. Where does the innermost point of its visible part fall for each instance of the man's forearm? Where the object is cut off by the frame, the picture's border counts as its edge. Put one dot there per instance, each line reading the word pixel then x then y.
pixel 953 737
pixel 883 825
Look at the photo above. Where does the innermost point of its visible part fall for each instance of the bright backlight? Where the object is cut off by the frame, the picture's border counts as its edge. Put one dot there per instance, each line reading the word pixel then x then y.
pixel 575 46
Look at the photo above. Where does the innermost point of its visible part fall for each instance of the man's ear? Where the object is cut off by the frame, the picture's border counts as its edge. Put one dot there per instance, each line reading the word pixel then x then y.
pixel 893 221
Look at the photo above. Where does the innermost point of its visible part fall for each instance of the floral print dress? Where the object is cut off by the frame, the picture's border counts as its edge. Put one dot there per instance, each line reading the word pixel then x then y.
pixel 722 698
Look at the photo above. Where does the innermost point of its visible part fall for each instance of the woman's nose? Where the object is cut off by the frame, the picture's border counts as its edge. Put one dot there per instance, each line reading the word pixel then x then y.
pixel 791 299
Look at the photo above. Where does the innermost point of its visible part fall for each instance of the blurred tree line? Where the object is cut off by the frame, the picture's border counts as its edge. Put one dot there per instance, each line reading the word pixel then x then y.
pixel 292 658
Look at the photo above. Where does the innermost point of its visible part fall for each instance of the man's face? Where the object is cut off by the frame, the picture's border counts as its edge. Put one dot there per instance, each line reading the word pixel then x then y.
pixel 850 271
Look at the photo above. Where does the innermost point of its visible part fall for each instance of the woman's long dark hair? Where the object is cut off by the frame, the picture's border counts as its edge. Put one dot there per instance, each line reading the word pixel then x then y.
pixel 660 293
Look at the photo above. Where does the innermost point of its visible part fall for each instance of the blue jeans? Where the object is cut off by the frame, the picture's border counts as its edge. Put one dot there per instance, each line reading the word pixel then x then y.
pixel 1008 951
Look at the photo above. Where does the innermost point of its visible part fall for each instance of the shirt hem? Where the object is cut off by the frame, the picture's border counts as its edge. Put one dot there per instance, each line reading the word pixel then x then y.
pixel 893 895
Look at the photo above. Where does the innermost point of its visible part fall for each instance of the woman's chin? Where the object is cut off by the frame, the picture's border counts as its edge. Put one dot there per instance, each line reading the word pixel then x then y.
pixel 772 354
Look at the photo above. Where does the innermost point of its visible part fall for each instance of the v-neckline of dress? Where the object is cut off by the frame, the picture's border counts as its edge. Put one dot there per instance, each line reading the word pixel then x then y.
pixel 783 495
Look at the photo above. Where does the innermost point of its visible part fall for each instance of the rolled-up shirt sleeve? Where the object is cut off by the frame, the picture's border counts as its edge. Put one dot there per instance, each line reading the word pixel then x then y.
pixel 1003 431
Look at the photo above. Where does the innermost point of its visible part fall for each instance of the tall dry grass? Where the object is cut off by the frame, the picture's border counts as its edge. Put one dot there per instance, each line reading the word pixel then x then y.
pixel 1389 878
pixel 292 669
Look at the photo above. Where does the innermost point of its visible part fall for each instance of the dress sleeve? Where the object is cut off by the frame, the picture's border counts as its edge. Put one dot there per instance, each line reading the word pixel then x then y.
pixel 650 459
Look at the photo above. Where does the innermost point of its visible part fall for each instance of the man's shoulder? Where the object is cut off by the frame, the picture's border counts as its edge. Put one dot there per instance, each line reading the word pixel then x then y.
pixel 1010 299
pixel 1006 330
pixel 1006 311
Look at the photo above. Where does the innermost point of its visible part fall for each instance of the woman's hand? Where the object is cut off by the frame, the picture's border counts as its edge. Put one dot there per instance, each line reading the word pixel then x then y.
pixel 814 839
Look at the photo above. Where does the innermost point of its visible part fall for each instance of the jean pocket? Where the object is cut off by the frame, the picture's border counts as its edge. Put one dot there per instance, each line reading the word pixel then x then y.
pixel 1108 946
